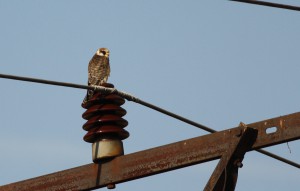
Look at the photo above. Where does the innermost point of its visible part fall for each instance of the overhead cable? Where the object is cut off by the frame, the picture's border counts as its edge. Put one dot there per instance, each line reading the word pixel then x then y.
pixel 270 4
pixel 137 100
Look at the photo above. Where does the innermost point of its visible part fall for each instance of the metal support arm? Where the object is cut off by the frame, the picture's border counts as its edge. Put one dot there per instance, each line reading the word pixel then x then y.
pixel 225 174
pixel 161 159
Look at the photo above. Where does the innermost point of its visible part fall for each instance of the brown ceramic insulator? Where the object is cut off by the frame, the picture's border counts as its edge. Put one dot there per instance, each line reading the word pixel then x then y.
pixel 104 117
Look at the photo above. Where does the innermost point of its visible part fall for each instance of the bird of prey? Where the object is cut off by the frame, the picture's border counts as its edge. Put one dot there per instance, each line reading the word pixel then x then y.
pixel 98 71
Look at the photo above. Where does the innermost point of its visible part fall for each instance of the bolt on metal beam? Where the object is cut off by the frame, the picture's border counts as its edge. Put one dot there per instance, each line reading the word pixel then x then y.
pixel 225 174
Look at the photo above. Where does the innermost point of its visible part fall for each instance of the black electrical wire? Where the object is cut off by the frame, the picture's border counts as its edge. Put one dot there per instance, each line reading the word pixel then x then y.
pixel 270 4
pixel 41 81
pixel 278 158
pixel 123 94
pixel 137 100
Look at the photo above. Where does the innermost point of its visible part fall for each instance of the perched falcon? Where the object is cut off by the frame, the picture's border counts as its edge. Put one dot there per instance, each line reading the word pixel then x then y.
pixel 98 71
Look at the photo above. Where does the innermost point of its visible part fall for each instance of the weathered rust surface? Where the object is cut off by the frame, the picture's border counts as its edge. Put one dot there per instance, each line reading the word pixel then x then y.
pixel 288 129
pixel 160 159
pixel 225 174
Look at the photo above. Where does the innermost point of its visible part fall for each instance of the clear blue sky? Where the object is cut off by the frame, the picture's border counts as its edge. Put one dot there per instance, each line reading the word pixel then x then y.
pixel 215 62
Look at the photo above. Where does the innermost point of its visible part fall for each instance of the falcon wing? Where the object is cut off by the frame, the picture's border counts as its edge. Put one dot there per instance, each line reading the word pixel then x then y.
pixel 98 70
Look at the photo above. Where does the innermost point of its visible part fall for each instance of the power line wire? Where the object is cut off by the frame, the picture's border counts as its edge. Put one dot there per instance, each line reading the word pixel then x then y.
pixel 269 4
pixel 137 100
pixel 278 158
pixel 108 90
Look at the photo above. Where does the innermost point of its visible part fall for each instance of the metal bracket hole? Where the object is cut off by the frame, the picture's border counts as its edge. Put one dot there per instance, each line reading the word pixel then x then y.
pixel 271 130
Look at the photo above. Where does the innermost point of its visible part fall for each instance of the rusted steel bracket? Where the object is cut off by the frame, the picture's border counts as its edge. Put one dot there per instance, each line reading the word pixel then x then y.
pixel 225 174
pixel 161 159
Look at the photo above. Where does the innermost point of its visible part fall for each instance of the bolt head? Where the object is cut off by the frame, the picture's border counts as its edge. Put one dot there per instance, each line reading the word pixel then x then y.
pixel 111 186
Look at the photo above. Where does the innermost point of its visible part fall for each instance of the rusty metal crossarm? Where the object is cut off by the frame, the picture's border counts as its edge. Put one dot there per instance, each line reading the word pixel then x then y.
pixel 161 159
pixel 225 174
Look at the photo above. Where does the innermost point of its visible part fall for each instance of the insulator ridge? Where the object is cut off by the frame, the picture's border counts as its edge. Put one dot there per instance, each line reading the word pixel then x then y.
pixel 105 121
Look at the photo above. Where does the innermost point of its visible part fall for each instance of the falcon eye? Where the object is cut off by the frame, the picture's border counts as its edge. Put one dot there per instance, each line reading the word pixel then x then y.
pixel 103 52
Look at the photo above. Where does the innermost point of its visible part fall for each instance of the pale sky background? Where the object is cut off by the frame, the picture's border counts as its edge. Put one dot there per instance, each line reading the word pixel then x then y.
pixel 214 62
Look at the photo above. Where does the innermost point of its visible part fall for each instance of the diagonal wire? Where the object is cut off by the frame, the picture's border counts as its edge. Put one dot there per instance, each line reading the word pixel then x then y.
pixel 137 100
pixel 270 4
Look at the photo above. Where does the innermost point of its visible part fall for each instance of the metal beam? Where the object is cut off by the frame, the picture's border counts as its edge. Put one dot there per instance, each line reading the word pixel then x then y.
pixel 161 159
pixel 225 174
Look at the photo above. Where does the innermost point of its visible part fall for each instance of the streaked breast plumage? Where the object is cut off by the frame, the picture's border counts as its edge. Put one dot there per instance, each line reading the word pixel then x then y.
pixel 98 70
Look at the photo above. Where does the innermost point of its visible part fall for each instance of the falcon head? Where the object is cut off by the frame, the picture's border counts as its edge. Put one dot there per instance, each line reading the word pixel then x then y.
pixel 103 52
